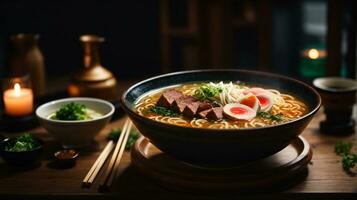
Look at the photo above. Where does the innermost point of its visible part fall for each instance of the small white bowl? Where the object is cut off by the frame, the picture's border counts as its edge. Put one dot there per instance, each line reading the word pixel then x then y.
pixel 75 133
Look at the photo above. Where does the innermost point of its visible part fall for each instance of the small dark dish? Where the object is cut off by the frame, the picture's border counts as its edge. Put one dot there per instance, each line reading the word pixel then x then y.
pixel 23 158
pixel 338 98
pixel 221 146
pixel 66 158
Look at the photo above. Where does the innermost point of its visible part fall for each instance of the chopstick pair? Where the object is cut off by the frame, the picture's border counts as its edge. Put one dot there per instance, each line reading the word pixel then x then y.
pixel 114 162
pixel 98 164
pixel 112 170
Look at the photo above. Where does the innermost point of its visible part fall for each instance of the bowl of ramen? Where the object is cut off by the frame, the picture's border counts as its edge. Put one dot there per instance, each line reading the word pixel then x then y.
pixel 220 116
pixel 75 121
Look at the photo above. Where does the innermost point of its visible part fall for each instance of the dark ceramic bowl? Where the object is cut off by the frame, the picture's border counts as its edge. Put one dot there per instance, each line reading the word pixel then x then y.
pixel 25 158
pixel 219 146
pixel 66 158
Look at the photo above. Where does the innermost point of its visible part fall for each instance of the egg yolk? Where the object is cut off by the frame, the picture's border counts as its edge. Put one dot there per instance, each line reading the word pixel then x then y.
pixel 263 101
pixel 238 110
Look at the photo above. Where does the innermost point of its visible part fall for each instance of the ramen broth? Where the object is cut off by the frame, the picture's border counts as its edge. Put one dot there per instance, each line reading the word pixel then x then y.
pixel 286 106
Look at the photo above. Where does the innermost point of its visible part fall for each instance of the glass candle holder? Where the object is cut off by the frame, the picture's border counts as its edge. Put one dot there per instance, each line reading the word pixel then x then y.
pixel 18 96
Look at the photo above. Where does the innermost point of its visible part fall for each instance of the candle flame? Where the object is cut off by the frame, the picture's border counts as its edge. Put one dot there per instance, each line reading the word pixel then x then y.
pixel 313 54
pixel 17 89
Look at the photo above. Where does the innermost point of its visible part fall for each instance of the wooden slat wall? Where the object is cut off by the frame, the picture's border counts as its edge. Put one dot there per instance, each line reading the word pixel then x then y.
pixel 208 35
pixel 264 30
pixel 164 36
pixel 351 38
pixel 334 30
pixel 219 28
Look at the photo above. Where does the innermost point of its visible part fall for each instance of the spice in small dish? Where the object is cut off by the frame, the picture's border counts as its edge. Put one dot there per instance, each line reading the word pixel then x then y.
pixel 66 157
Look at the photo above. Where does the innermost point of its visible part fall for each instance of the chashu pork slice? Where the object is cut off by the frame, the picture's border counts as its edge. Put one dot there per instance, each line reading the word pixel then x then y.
pixel 168 97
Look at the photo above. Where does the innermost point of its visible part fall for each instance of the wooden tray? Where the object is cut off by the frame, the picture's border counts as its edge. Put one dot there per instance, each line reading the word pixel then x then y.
pixel 165 170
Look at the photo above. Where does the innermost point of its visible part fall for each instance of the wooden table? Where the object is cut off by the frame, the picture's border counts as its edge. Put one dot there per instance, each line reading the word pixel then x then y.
pixel 325 175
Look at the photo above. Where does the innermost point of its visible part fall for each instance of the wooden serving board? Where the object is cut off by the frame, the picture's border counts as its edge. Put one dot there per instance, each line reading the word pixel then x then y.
pixel 290 163
pixel 325 178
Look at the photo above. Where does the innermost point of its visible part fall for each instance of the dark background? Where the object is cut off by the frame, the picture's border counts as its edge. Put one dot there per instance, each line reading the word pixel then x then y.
pixel 133 34
pixel 130 29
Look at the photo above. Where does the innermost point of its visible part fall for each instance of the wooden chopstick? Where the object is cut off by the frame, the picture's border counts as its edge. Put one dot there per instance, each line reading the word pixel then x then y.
pixel 115 171
pixel 124 134
pixel 92 173
pixel 100 164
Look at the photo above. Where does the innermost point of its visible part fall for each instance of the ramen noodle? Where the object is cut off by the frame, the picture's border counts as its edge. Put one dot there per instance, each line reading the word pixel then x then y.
pixel 282 108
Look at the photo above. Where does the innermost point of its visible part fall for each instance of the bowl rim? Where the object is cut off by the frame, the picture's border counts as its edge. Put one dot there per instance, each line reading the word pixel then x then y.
pixel 214 130
pixel 90 99
pixel 6 140
pixel 320 84
pixel 55 154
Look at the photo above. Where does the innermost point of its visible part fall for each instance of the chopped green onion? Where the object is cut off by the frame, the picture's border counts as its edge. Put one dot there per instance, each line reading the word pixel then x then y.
pixel 22 143
pixel 163 111
pixel 71 111
pixel 277 117
pixel 206 91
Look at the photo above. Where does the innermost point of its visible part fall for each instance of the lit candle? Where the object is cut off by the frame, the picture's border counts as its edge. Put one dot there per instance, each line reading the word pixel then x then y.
pixel 18 101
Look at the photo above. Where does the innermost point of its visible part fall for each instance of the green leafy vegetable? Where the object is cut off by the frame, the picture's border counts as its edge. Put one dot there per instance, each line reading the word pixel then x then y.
pixel 277 117
pixel 71 111
pixel 206 91
pixel 163 111
pixel 22 143
pixel 115 134
pixel 342 148
pixel 349 160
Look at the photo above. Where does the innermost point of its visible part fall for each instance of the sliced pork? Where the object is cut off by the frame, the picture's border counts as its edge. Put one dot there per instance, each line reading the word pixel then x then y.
pixel 180 104
pixel 215 113
pixel 168 97
pixel 204 105
pixel 191 109
pixel 203 114
pixel 189 106
pixel 194 108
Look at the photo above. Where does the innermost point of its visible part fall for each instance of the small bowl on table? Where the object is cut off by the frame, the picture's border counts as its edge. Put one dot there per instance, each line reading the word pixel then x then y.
pixel 66 158
pixel 338 97
pixel 75 133
pixel 21 158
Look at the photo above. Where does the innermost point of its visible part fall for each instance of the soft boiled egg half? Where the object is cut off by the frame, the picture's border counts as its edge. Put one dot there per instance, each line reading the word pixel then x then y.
pixel 265 97
pixel 237 111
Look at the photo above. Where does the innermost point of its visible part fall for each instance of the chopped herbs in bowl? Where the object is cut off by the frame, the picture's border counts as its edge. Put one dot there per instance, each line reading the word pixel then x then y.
pixel 25 142
pixel 22 150
pixel 75 121
pixel 74 111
